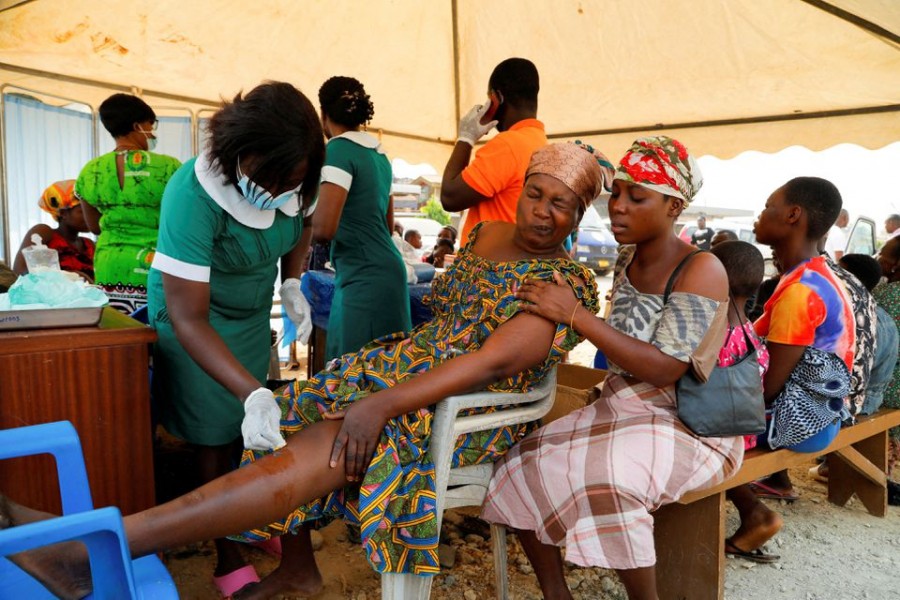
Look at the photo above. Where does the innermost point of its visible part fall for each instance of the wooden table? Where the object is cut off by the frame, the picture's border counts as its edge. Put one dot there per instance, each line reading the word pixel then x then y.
pixel 97 378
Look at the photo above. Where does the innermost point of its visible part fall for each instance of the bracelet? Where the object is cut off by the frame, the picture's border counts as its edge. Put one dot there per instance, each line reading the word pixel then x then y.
pixel 572 319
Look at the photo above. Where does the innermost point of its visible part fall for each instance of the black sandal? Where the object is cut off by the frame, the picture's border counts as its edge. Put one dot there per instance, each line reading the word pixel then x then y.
pixel 757 555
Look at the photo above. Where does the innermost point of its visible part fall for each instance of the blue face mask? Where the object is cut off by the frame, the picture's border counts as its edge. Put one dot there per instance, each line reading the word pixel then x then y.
pixel 259 197
pixel 151 140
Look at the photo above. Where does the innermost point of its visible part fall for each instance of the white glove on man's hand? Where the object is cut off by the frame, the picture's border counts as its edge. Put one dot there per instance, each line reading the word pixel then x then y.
pixel 297 308
pixel 470 128
pixel 261 420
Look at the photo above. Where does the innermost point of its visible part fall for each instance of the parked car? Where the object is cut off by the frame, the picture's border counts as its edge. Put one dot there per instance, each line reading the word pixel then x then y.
pixel 596 247
pixel 427 228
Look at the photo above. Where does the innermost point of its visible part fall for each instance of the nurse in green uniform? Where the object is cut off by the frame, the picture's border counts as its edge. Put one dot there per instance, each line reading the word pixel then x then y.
pixel 120 196
pixel 354 210
pixel 228 217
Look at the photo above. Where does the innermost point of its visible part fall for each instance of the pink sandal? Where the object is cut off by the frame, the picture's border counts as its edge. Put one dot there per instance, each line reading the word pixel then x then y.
pixel 235 581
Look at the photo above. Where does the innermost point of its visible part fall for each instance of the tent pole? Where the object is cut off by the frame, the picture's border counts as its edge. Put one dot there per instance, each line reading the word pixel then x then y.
pixel 15 3
pixel 4 188
pixel 844 112
pixel 454 14
pixel 853 19
pixel 128 89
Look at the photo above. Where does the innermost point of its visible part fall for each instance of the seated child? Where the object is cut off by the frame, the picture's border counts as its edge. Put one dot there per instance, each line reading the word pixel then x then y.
pixel 744 265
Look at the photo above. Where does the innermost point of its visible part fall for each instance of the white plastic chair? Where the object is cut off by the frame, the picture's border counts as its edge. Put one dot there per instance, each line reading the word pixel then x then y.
pixel 467 486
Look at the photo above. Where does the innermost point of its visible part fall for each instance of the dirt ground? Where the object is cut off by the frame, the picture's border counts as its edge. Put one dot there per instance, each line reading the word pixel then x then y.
pixel 827 553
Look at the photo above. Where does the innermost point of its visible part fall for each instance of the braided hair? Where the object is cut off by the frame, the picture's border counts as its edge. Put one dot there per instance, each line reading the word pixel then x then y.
pixel 345 101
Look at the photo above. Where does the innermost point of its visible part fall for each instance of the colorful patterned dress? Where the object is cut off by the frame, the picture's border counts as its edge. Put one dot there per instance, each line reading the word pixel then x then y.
pixel 395 503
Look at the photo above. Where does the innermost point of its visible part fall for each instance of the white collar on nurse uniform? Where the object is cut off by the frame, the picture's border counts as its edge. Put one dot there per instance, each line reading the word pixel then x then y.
pixel 229 199
pixel 363 139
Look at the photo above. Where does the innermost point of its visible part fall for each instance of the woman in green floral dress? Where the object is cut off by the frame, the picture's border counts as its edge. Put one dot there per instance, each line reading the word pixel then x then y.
pixel 121 194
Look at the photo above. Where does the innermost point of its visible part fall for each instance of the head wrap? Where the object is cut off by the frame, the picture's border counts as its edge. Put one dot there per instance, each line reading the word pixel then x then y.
pixel 58 196
pixel 584 170
pixel 662 164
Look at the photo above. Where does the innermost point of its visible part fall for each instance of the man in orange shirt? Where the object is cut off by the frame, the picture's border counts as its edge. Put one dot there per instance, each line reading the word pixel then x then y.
pixel 489 187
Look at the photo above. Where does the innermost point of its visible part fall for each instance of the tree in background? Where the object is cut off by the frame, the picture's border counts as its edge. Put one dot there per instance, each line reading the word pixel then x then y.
pixel 433 210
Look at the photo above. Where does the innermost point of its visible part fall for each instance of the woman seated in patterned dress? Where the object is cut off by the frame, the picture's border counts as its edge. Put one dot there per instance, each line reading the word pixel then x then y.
pixel 357 433
pixel 590 480
pixel 76 253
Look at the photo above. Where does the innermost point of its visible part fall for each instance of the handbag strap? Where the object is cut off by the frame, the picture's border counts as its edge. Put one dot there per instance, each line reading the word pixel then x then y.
pixel 675 273
pixel 750 345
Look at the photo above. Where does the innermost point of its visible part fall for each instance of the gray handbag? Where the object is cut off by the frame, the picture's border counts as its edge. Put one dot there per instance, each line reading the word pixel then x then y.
pixel 730 402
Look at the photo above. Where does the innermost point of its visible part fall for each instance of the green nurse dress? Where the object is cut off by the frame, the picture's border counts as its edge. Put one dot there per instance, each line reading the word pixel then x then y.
pixel 129 220
pixel 395 503
pixel 371 298
pixel 209 233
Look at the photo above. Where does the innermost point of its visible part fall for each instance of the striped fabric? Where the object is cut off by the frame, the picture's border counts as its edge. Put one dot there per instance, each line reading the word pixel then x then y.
pixel 395 504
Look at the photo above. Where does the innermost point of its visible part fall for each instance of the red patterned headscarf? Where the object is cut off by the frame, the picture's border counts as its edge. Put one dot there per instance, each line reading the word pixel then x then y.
pixel 584 170
pixel 662 164
pixel 59 195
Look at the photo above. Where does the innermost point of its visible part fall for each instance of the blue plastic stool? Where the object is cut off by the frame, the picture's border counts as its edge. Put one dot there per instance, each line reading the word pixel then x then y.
pixel 116 575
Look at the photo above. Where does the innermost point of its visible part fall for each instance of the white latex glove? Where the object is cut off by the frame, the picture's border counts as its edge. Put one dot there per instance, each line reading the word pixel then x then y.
pixel 297 308
pixel 470 128
pixel 261 419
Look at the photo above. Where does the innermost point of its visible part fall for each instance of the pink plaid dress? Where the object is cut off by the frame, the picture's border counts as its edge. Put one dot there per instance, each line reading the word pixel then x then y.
pixel 590 480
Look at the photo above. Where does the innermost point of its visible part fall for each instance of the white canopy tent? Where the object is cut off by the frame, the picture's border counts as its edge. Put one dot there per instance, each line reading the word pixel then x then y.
pixel 723 76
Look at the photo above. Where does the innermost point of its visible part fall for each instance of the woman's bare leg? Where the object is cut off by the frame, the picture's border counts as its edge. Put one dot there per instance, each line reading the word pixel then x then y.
pixel 259 493
pixel 640 584
pixel 548 565
pixel 759 523
pixel 297 573
pixel 211 462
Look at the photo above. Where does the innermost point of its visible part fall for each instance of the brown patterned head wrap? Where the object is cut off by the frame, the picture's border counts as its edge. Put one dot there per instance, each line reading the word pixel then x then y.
pixel 584 170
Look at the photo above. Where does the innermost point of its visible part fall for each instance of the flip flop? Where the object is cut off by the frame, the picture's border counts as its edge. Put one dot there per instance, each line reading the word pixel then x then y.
pixel 757 556
pixel 235 581
pixel 764 491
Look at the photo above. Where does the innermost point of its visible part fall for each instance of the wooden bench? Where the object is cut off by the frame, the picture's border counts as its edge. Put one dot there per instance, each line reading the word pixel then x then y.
pixel 690 534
